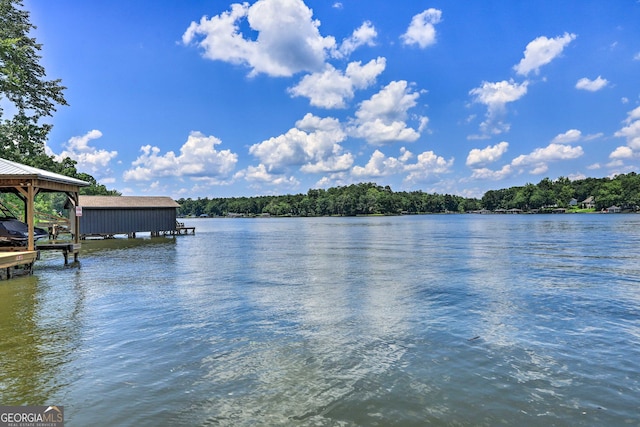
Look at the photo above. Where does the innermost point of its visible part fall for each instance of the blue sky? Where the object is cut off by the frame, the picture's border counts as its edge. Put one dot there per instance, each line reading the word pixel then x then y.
pixel 220 99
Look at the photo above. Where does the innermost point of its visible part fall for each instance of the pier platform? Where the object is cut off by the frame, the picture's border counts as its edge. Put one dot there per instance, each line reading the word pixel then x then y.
pixel 16 262
pixel 66 248
pixel 180 230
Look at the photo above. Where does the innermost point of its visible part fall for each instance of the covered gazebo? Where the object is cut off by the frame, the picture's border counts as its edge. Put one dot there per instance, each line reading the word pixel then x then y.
pixel 26 182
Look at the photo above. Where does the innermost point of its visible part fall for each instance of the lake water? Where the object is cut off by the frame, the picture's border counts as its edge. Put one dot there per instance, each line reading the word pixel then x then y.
pixel 384 321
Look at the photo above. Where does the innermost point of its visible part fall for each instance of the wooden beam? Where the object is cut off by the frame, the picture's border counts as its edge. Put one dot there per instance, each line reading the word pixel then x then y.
pixel 27 192
pixel 13 182
pixel 57 187
pixel 22 191
pixel 76 199
pixel 51 187
pixel 30 217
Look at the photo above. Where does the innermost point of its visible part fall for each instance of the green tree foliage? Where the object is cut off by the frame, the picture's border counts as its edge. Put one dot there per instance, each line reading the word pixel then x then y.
pixel 23 85
pixel 356 199
pixel 94 188
pixel 622 190
pixel 372 199
pixel 27 97
pixel 609 194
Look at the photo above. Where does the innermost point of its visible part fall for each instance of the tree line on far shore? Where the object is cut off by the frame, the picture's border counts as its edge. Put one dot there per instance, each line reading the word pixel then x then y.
pixel 372 199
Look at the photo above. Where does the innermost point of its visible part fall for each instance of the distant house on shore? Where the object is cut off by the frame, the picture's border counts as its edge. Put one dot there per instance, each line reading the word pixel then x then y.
pixel 614 209
pixel 588 203
pixel 573 202
pixel 482 211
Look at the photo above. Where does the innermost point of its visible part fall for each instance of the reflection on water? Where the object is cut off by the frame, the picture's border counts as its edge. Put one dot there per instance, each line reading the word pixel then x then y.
pixel 443 320
pixel 40 326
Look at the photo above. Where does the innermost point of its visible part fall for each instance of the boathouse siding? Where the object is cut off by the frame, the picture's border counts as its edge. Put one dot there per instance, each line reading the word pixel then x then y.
pixel 109 215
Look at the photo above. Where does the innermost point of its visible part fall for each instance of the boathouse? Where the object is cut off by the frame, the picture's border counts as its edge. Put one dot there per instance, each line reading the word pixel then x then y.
pixel 106 216
pixel 26 182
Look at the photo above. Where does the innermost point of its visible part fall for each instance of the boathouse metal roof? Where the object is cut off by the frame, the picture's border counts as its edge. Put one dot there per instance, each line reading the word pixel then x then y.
pixel 127 202
pixel 9 169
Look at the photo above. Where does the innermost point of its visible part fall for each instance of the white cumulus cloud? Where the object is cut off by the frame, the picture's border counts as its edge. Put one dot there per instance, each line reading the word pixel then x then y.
pixel 539 157
pixel 422 30
pixel 623 152
pixel 379 165
pixel 332 89
pixel 592 85
pixel 496 96
pixel 382 118
pixel 497 175
pixel 89 159
pixel 487 155
pixel 632 129
pixel 313 146
pixel 364 35
pixel 198 158
pixel 260 174
pixel 288 40
pixel 426 164
pixel 537 161
pixel 542 51
pixel 572 135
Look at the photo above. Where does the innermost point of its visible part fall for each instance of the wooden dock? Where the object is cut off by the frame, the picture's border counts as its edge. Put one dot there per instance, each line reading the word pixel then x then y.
pixel 66 248
pixel 16 262
pixel 180 230
pixel 19 261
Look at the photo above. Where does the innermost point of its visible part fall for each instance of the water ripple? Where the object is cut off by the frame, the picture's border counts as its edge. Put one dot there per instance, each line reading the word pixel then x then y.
pixel 434 320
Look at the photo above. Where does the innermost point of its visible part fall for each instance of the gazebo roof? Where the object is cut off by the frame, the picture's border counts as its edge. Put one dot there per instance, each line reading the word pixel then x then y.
pixel 9 170
pixel 26 182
